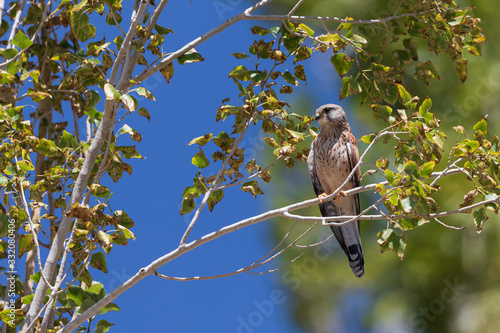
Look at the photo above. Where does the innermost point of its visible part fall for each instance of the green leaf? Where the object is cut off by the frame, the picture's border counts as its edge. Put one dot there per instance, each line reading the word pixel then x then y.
pixel 239 55
pixel 309 31
pixel 75 293
pixel 126 232
pixel 200 160
pixel 21 40
pixel 411 169
pixel 480 128
pixel 111 93
pixel 381 111
pixel 288 77
pixel 25 244
pixel 427 71
pixel 47 148
pixel 299 72
pixel 144 113
pixel 389 175
pixel 134 135
pixel 252 187
pixel 38 96
pixel 479 218
pixel 104 237
pixel 410 203
pixel 239 73
pixel 167 72
pixel 129 102
pixel 123 219
pixel 4 181
pixel 190 56
pixel 109 307
pixel 342 63
pixel 100 191
pixel 91 99
pixel 98 261
pixel 80 26
pixel 368 138
pixel 425 106
pixel 409 224
pixel 405 95
pixel 129 152
pixel 214 198
pixel 102 326
pixel 145 93
pixel 201 140
pixel 163 31
pixel 388 240
pixel 426 169
pixel 256 30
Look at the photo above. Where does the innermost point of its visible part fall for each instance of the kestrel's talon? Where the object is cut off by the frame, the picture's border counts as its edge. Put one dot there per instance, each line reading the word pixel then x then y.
pixel 341 193
pixel 321 196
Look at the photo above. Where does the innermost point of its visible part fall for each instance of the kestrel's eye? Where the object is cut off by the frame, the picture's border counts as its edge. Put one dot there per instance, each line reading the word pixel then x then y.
pixel 328 110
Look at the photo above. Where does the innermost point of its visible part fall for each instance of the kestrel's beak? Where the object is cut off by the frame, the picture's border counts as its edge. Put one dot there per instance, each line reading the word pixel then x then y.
pixel 318 115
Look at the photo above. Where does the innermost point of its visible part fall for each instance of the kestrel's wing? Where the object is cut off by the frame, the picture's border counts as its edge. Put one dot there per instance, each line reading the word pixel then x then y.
pixel 353 157
pixel 356 260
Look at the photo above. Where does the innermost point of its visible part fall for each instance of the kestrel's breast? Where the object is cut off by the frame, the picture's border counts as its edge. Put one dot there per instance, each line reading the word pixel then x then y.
pixel 332 163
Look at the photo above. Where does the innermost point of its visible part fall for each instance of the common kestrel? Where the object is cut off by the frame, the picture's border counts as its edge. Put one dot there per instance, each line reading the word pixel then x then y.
pixel 333 155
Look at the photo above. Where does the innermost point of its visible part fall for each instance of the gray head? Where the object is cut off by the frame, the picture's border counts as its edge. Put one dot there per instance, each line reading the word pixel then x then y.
pixel 331 115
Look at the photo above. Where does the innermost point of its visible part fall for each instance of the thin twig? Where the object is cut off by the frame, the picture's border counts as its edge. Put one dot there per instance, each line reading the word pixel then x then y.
pixel 116 21
pixel 297 5
pixel 222 187
pixel 214 183
pixel 449 226
pixel 32 228
pixel 444 171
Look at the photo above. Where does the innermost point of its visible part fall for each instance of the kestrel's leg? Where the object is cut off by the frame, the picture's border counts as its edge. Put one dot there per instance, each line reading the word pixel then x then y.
pixel 324 195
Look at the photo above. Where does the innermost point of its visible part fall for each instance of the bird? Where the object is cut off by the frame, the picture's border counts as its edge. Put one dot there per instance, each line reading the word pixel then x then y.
pixel 333 156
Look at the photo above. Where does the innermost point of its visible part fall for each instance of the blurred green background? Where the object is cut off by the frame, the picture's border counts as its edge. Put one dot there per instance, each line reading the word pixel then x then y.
pixel 448 281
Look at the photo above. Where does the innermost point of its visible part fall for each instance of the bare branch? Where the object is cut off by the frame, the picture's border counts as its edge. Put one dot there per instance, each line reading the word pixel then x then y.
pixel 449 226
pixel 331 19
pixel 126 41
pixel 221 187
pixel 297 5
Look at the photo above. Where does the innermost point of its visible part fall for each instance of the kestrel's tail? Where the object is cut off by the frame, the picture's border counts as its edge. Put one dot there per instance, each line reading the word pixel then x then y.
pixel 350 241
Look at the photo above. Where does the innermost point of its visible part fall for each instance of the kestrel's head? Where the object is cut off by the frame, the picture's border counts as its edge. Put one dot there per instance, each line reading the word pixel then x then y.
pixel 330 115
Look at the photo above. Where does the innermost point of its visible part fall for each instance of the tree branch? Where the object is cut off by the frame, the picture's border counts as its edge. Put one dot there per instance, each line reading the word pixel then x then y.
pixel 242 16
